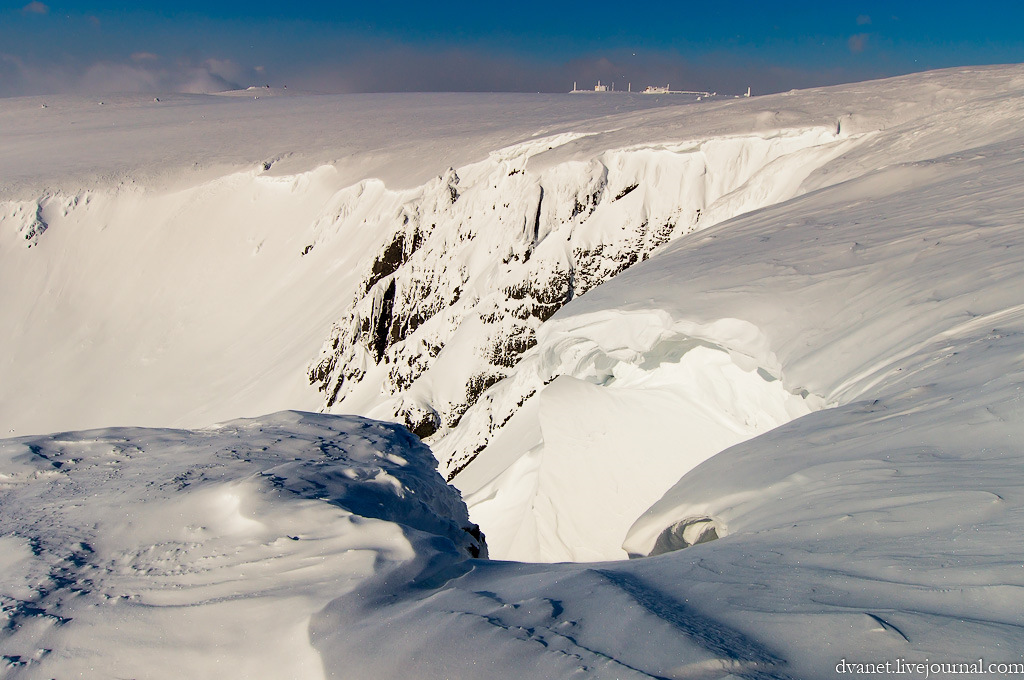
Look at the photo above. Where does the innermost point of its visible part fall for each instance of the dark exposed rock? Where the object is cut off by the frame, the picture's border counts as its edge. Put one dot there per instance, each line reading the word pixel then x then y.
pixel 478 383
pixel 405 371
pixel 412 294
pixel 536 217
pixel 382 329
pixel 463 464
pixel 506 350
pixel 588 203
pixel 388 262
pixel 322 370
pixel 479 548
pixel 625 191
pixel 396 253
pixel 35 228
pixel 421 421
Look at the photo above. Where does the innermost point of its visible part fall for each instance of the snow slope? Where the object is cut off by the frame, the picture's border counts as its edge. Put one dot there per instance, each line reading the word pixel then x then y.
pixel 804 405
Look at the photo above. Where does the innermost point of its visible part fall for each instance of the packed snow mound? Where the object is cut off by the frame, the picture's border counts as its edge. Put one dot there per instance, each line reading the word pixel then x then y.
pixel 166 553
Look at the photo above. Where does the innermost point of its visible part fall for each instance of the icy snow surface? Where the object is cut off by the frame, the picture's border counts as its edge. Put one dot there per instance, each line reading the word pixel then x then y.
pixel 815 385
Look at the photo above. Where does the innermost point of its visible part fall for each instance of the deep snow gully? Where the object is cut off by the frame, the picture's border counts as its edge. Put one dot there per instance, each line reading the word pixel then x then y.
pixel 450 285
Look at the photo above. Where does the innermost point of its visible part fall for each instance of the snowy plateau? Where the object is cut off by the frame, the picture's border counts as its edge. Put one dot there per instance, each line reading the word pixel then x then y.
pixel 558 386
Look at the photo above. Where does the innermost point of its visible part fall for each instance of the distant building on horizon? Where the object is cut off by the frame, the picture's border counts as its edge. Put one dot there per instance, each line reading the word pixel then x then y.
pixel 658 89
pixel 600 87
pixel 651 89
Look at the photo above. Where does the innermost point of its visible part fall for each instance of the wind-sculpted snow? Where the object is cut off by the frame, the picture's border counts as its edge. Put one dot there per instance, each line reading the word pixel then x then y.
pixel 606 399
pixel 129 552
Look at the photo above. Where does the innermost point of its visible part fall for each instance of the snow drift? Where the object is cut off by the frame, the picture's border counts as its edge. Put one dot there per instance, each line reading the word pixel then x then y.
pixel 146 553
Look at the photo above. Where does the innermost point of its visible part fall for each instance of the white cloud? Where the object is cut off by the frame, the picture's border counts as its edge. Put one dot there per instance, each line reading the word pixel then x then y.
pixel 226 69
pixel 142 72
pixel 857 42
pixel 104 77
pixel 35 7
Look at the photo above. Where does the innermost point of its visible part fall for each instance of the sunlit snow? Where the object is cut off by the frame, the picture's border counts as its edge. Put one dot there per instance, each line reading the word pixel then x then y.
pixel 770 346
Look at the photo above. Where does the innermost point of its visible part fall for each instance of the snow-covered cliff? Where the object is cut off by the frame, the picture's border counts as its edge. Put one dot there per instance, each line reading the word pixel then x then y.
pixel 471 265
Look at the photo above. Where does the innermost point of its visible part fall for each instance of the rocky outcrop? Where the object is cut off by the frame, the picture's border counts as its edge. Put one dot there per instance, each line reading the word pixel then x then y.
pixel 470 265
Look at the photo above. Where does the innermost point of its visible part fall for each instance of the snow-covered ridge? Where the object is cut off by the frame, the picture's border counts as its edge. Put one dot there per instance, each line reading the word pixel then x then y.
pixel 178 279
pixel 518 452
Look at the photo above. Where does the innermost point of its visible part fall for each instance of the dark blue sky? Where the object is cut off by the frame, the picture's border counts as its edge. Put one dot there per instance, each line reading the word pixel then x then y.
pixel 530 45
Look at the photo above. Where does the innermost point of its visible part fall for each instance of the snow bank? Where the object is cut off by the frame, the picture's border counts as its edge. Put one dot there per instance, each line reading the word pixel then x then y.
pixel 169 553
pixel 618 406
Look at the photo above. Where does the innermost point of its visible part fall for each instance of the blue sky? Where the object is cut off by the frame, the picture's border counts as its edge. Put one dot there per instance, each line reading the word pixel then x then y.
pixel 530 45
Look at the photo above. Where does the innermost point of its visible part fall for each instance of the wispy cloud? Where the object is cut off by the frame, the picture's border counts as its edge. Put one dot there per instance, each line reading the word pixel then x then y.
pixel 863 20
pixel 403 68
pixel 103 77
pixel 35 7
pixel 142 72
pixel 858 43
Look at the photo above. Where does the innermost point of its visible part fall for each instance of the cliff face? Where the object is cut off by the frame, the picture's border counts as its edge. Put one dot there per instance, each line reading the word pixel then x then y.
pixel 467 267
